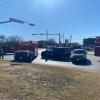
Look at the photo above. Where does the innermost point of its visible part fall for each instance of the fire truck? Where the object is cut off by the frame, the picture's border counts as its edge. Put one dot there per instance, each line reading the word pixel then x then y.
pixel 25 51
pixel 97 46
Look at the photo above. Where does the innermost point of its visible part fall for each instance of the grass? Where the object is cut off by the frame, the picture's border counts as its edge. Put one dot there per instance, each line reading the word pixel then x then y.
pixel 22 81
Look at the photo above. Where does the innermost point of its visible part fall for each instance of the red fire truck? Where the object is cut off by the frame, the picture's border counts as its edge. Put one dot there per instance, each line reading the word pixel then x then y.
pixel 97 46
pixel 25 51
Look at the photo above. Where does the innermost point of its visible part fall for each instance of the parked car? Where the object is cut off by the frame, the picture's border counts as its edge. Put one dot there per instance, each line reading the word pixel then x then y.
pixel 74 47
pixel 78 56
pixel 47 54
pixel 57 53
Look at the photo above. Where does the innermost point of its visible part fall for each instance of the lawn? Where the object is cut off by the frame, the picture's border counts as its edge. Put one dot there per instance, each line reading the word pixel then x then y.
pixel 24 81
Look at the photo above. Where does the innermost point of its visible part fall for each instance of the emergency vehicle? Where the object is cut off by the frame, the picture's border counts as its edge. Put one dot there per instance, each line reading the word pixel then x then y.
pixel 26 51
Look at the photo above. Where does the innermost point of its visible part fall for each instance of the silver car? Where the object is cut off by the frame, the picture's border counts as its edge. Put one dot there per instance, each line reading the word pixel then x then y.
pixel 78 56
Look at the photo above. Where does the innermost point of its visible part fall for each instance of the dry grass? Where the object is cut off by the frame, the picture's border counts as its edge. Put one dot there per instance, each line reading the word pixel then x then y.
pixel 21 81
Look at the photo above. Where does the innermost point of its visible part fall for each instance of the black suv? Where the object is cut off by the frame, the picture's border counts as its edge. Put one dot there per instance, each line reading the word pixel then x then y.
pixel 78 56
pixel 58 53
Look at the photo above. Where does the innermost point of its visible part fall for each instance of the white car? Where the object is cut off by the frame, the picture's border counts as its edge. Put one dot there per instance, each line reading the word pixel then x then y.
pixel 78 56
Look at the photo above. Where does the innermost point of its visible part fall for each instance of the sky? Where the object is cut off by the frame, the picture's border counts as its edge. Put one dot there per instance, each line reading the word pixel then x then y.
pixel 77 18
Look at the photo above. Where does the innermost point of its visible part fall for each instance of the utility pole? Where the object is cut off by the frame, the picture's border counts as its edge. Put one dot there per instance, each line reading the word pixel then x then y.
pixel 59 38
pixel 63 37
pixel 47 39
pixel 47 34
pixel 70 39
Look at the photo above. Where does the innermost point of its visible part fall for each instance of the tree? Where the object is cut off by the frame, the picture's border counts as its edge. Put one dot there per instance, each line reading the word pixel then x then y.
pixel 14 39
pixel 2 39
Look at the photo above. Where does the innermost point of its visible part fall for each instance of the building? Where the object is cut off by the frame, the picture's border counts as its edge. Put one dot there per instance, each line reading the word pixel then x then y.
pixel 89 42
pixel 42 44
pixel 97 46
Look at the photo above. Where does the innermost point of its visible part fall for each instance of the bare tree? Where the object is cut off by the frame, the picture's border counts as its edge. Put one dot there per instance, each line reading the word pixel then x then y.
pixel 14 39
pixel 2 39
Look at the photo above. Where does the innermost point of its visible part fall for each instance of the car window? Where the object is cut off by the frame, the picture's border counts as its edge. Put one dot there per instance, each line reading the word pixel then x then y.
pixel 79 52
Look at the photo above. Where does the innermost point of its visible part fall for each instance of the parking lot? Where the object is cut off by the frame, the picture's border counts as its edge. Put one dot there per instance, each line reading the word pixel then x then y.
pixel 93 62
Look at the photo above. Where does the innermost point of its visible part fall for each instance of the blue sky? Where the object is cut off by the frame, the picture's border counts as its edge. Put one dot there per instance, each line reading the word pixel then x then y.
pixel 79 18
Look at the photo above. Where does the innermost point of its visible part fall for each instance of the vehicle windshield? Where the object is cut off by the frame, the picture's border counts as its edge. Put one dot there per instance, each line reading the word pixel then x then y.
pixel 25 48
pixel 61 49
pixel 79 52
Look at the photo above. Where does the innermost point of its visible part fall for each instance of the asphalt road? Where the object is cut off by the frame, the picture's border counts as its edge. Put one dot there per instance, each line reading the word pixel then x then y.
pixel 92 65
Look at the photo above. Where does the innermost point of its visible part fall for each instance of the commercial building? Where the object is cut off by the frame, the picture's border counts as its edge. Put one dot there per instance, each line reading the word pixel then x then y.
pixel 97 46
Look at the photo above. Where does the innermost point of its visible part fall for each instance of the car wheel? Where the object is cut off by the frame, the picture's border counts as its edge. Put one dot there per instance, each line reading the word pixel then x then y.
pixel 73 61
pixel 16 59
pixel 43 55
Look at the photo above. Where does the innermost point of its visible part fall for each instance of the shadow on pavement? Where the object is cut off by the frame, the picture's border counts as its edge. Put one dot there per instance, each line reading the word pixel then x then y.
pixel 86 63
pixel 15 64
pixel 22 61
pixel 56 60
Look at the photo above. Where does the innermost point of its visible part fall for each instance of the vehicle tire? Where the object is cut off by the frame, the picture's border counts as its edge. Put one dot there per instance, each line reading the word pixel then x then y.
pixel 15 58
pixel 84 61
pixel 43 55
pixel 73 61
pixel 66 58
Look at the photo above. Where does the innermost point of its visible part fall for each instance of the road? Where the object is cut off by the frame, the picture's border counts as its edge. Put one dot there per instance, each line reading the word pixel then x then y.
pixel 94 65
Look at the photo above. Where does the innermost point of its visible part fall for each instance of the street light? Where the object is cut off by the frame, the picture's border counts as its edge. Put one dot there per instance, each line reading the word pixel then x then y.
pixel 17 21
pixel 20 21
pixel 4 22
pixel 32 24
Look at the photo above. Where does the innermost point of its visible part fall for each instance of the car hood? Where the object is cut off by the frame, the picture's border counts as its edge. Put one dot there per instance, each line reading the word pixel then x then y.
pixel 78 55
pixel 23 51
